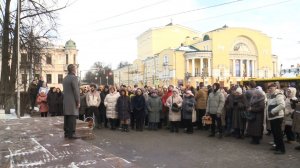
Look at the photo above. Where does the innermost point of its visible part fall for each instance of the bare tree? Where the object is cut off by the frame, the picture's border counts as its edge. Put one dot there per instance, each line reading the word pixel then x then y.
pixel 37 27
pixel 99 74
pixel 123 64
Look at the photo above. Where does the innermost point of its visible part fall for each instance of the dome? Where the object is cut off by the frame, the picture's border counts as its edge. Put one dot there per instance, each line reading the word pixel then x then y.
pixel 70 44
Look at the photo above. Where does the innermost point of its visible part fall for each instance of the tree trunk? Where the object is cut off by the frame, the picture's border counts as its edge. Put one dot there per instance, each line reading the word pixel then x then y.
pixel 14 61
pixel 4 83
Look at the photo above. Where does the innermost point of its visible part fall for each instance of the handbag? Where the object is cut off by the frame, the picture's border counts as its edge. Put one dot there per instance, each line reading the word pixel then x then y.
pixel 194 115
pixel 175 107
pixel 270 108
pixel 206 120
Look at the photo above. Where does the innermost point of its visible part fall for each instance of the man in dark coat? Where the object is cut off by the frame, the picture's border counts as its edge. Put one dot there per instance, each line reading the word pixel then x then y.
pixel 123 108
pixel 71 102
pixel 32 91
pixel 52 101
pixel 102 109
pixel 138 107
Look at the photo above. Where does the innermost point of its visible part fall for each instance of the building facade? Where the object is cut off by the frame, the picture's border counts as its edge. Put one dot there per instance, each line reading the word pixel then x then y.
pixel 225 55
pixel 154 40
pixel 52 64
pixel 290 72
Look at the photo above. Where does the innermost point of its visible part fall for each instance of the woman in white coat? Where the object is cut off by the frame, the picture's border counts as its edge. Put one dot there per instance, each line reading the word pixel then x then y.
pixel 174 103
pixel 110 102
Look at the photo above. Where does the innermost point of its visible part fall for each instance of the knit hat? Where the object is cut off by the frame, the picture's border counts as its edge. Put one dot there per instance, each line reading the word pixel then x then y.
pixel 239 90
pixel 175 90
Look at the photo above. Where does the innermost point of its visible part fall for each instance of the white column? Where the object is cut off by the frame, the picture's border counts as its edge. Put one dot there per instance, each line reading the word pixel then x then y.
pixel 193 67
pixel 201 66
pixel 253 68
pixel 256 69
pixel 241 68
pixel 187 66
pixel 248 68
pixel 208 67
pixel 233 68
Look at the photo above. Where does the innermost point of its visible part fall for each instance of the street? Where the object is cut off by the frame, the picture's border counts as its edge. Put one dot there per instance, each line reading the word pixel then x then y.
pixel 162 149
pixel 39 142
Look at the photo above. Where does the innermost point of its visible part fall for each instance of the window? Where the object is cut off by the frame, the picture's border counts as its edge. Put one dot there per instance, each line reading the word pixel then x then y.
pixel 206 37
pixel 166 60
pixel 24 78
pixel 67 59
pixel 23 58
pixel 49 78
pixel 48 59
pixel 60 78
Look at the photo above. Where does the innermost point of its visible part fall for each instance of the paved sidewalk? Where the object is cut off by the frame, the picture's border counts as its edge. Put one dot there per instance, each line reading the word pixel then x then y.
pixel 162 149
pixel 40 142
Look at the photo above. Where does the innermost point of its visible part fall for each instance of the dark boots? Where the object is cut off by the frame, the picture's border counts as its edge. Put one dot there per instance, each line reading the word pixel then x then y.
pixel 125 128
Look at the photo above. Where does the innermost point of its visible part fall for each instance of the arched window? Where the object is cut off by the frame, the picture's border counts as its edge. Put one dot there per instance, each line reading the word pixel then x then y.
pixel 241 47
pixel 206 37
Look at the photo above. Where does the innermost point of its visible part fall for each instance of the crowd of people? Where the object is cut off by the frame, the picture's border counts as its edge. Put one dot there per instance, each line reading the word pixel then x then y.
pixel 238 112
pixel 48 100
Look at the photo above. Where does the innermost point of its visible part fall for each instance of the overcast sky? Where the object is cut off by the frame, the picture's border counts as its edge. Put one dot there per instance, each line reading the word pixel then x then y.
pixel 106 31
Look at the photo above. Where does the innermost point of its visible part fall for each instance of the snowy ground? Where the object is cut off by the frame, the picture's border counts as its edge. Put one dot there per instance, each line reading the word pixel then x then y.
pixel 13 115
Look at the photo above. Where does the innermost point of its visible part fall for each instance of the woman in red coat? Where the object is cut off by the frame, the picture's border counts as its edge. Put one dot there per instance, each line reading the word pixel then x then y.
pixel 42 102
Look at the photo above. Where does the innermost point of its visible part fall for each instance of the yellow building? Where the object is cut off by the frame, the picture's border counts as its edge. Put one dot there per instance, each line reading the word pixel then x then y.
pixel 228 55
pixel 225 55
pixel 155 40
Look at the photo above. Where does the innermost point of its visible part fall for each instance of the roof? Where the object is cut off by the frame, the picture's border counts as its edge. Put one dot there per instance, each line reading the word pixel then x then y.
pixel 187 49
pixel 70 44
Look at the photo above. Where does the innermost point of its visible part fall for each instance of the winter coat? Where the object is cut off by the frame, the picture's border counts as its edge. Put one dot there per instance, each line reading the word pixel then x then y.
pixel 289 110
pixel 139 106
pixel 174 116
pixel 93 99
pixel 71 95
pixel 42 102
pixel 154 106
pixel 257 106
pixel 188 105
pixel 296 122
pixel 102 108
pixel 228 106
pixel 83 106
pixel 238 107
pixel 201 98
pixel 123 107
pixel 52 102
pixel 296 118
pixel 215 103
pixel 276 105
pixel 60 99
pixel 110 102
pixel 164 100
pixel 32 90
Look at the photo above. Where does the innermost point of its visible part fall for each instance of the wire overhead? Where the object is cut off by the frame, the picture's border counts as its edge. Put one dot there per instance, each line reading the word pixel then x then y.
pixel 130 11
pixel 184 12
pixel 174 14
